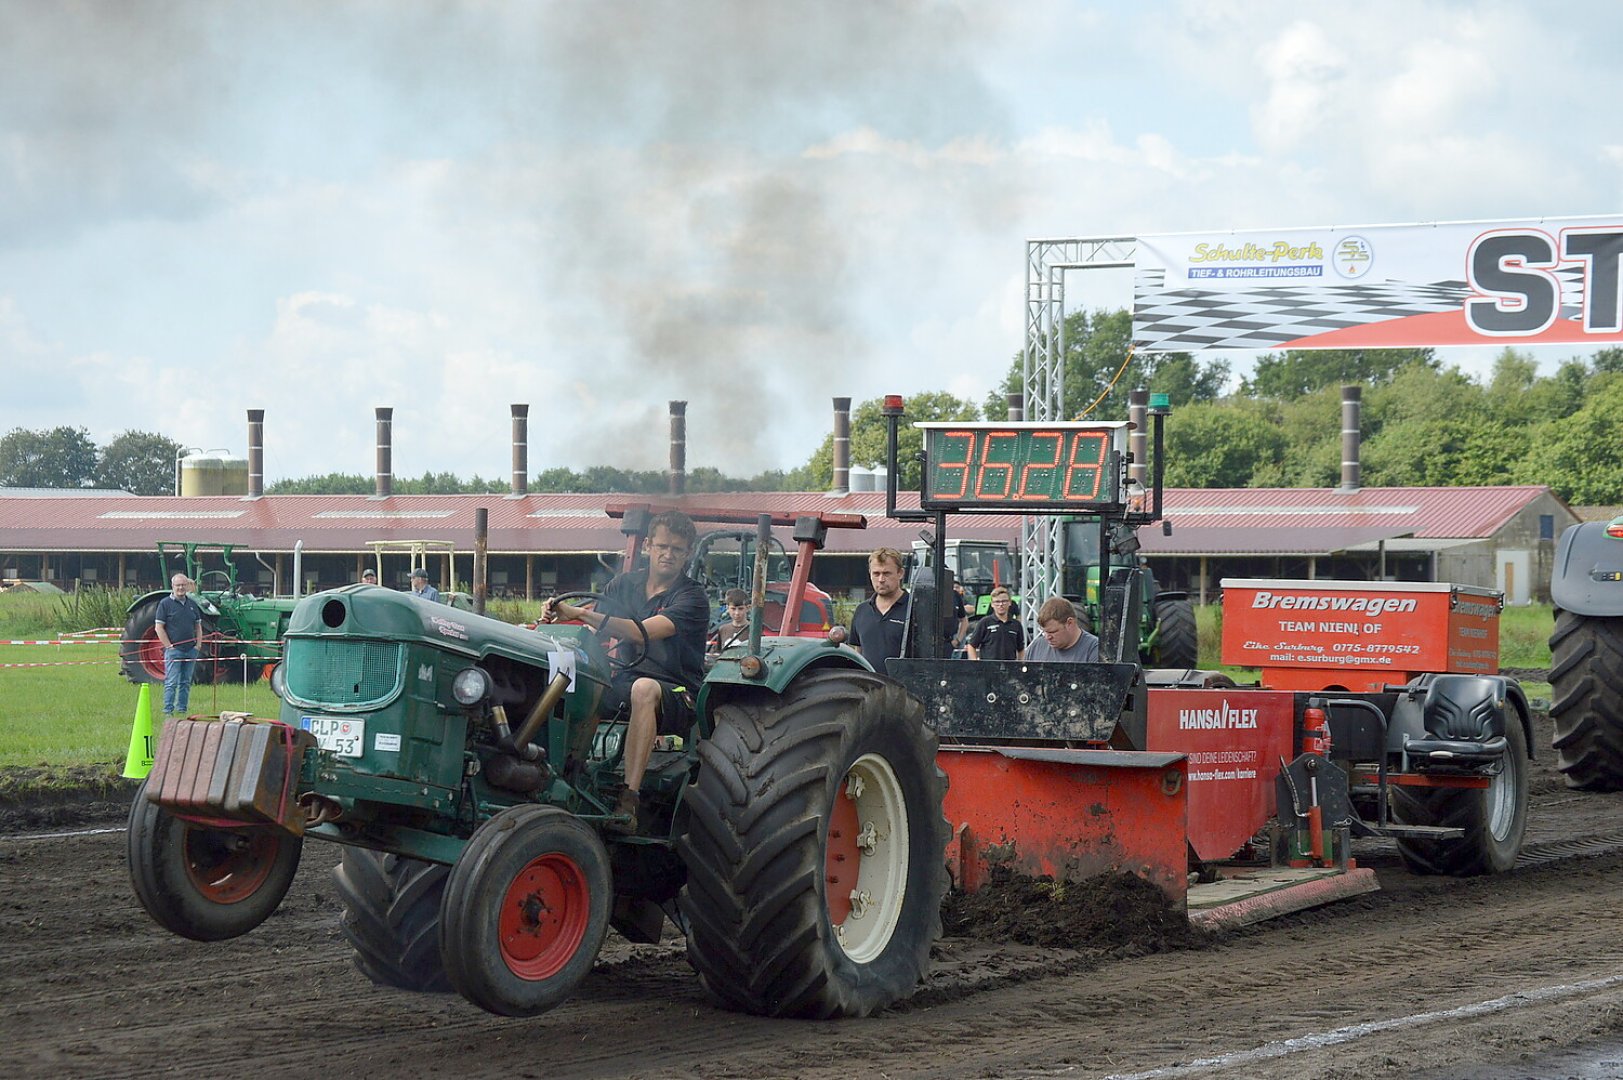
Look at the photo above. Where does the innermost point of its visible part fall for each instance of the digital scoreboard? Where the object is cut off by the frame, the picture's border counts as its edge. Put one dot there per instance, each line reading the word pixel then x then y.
pixel 1027 466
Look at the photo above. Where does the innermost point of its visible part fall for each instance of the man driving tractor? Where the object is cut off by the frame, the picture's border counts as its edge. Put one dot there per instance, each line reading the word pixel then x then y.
pixel 674 614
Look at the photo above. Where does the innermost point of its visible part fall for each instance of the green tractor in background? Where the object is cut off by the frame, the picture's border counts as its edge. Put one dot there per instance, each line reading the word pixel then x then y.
pixel 1168 637
pixel 468 778
pixel 242 632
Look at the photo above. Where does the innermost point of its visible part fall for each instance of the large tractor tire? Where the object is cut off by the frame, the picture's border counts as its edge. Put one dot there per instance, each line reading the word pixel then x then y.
pixel 1494 818
pixel 140 655
pixel 1586 700
pixel 392 918
pixel 1177 640
pixel 207 884
pixel 815 849
pixel 525 910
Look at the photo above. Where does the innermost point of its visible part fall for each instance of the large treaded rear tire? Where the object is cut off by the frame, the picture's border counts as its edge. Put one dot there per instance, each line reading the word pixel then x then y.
pixel 392 918
pixel 1586 700
pixel 1177 638
pixel 772 819
pixel 1494 818
pixel 140 654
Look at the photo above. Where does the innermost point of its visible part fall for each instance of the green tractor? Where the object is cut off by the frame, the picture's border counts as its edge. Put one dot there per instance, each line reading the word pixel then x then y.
pixel 1586 655
pixel 465 772
pixel 241 631
pixel 1167 634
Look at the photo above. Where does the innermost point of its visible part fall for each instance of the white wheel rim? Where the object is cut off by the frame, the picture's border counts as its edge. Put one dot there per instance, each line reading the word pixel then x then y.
pixel 881 886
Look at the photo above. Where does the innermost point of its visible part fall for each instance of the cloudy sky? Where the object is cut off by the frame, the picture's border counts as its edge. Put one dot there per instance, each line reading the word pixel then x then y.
pixel 317 208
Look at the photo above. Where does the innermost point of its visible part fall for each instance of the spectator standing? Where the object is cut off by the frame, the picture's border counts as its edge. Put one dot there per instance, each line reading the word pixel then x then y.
pixel 879 625
pixel 421 587
pixel 998 636
pixel 736 630
pixel 369 576
pixel 1063 637
pixel 178 623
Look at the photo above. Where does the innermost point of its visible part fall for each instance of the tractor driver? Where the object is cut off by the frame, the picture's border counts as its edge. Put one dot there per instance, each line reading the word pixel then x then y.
pixel 660 687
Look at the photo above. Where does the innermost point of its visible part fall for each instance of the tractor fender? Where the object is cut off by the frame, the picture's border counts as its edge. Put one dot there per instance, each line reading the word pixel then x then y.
pixel 784 664
pixel 1583 550
pixel 156 594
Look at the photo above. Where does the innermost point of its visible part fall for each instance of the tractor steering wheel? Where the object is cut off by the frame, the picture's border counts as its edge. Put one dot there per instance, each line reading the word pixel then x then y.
pixel 638 649
pixel 206 574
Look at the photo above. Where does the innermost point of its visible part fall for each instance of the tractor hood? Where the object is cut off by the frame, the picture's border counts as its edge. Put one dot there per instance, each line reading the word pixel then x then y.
pixel 366 611
pixel 1588 575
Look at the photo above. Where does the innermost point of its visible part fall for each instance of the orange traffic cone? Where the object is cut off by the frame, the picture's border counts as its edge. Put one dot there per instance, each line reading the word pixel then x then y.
pixel 138 760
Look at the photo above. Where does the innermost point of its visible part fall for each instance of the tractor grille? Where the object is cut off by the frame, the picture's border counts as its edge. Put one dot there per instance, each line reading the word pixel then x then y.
pixel 354 673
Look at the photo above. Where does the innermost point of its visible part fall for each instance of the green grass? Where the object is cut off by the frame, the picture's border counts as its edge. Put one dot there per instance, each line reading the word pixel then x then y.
pixel 78 712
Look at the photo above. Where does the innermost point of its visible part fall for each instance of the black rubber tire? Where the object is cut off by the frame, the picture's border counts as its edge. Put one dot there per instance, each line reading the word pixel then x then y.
pixel 760 932
pixel 1177 642
pixel 139 634
pixel 392 918
pixel 1494 818
pixel 1586 700
pixel 207 884
pixel 573 884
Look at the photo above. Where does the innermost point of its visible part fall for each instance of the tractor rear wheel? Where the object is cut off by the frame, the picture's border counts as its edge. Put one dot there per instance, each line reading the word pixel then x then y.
pixel 815 849
pixel 392 917
pixel 207 884
pixel 140 655
pixel 1586 700
pixel 1494 818
pixel 525 910
pixel 1177 640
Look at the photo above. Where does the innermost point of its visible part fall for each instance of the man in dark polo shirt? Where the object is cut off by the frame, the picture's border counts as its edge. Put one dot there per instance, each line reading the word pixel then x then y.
pixel 879 625
pixel 179 622
pixel 660 687
pixel 999 636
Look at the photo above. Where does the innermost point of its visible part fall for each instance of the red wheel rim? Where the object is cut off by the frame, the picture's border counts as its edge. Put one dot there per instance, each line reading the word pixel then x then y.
pixel 544 916
pixel 150 653
pixel 226 866
pixel 841 857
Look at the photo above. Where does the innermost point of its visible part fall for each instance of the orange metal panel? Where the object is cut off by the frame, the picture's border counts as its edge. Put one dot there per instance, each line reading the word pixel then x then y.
pixel 1069 814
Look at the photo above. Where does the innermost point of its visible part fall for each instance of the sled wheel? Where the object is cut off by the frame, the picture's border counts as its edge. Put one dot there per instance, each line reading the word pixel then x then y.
pixel 207 884
pixel 1177 640
pixel 815 849
pixel 1494 818
pixel 1586 700
pixel 392 917
pixel 525 910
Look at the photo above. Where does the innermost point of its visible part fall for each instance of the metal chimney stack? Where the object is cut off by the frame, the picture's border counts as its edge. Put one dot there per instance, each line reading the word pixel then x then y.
pixel 385 475
pixel 679 447
pixel 1351 423
pixel 1138 438
pixel 521 451
pixel 1017 407
pixel 842 448
pixel 256 453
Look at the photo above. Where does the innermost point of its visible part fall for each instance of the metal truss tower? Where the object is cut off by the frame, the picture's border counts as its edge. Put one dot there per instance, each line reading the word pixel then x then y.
pixel 1043 373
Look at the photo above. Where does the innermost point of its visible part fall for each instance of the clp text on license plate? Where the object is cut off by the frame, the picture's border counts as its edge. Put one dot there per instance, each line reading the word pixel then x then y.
pixel 343 736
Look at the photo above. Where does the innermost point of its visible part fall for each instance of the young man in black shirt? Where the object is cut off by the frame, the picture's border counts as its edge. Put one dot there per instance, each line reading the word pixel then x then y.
pixel 879 625
pixel 998 636
pixel 660 687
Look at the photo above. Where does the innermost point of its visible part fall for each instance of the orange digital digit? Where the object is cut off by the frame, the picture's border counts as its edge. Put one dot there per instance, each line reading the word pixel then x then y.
pixel 1055 441
pixel 1008 442
pixel 1086 466
pixel 943 479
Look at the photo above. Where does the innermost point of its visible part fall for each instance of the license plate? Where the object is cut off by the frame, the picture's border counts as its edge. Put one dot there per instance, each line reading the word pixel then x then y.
pixel 338 735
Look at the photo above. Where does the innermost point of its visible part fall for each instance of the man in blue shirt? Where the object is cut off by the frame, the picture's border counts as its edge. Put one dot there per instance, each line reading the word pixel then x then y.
pixel 179 622
pixel 421 587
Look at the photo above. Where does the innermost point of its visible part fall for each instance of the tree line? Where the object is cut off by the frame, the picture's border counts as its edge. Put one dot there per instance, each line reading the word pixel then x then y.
pixel 1425 423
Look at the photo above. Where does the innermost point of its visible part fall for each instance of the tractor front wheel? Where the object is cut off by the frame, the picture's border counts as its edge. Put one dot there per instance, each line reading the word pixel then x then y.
pixel 140 654
pixel 1586 700
pixel 203 883
pixel 815 849
pixel 1494 818
pixel 392 917
pixel 525 910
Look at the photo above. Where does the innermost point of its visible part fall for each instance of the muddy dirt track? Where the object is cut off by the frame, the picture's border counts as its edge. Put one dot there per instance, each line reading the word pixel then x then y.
pixel 1519 975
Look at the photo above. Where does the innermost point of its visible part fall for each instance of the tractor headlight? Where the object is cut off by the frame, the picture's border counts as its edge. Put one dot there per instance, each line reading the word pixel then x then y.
pixel 278 681
pixel 471 686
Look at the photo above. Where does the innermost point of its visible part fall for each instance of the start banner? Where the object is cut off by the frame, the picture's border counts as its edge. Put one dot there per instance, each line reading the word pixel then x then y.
pixel 1381 286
